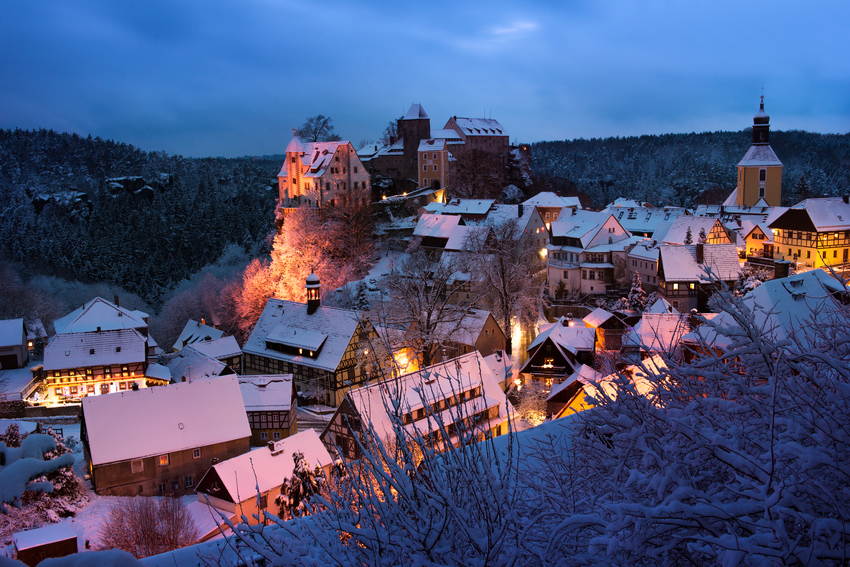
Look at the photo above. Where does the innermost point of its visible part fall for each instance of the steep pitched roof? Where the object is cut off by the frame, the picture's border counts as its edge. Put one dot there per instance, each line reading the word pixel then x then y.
pixel 283 320
pixel 679 262
pixel 224 347
pixel 190 364
pixel 581 224
pixel 415 112
pixel 565 336
pixel 824 214
pixel 437 226
pixel 165 419
pixel 77 350
pixel 11 332
pixel 759 155
pixel 267 467
pixel 195 331
pixel 678 231
pixel 100 314
pixel 266 393
pixel 480 126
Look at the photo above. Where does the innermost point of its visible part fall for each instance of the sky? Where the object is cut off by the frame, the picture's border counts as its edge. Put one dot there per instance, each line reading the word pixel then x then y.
pixel 233 78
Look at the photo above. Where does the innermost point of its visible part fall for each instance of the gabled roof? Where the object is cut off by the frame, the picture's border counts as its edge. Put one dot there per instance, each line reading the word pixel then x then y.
pixel 460 235
pixel 645 219
pixel 461 207
pixel 748 227
pixel 446 134
pixel 759 155
pixel 266 393
pixel 195 331
pixel 480 126
pixel 678 231
pixel 437 226
pixel 190 364
pixel 679 262
pixel 569 338
pixel 165 419
pixel 79 350
pixel 579 224
pixel 11 332
pixel 583 374
pixel 661 305
pixel 597 317
pixel 549 199
pixel 100 314
pixel 659 332
pixel 645 250
pixel 783 308
pixel 265 469
pixel 280 317
pixel 432 145
pixel 467 330
pixel 824 214
pixel 422 388
pixel 316 157
pixel 225 347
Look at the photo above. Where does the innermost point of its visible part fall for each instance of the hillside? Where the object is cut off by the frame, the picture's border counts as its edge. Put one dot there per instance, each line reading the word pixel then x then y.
pixel 676 169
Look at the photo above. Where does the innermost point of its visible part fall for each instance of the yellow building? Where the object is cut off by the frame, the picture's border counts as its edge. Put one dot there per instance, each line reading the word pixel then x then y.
pixel 814 233
pixel 760 171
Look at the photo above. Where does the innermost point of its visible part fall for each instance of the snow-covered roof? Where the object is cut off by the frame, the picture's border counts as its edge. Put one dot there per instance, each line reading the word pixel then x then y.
pixel 78 350
pixel 446 134
pixel 190 364
pixel 281 316
pixel 549 199
pixel 11 332
pixel 644 219
pixel 294 145
pixel 783 308
pixel 748 226
pixel 480 126
pixel 680 262
pixel 659 332
pixel 645 250
pixel 225 347
pixel 759 154
pixel 438 226
pixel 825 214
pixel 315 158
pixel 265 469
pixel 422 388
pixel 678 231
pixel 584 374
pixel 432 145
pixel 580 224
pixel 50 533
pixel 267 392
pixel 195 331
pixel 415 112
pixel 460 235
pixel 467 330
pixel 597 317
pixel 661 305
pixel 642 377
pixel 99 314
pixel 158 371
pixel 164 419
pixel 461 207
pixel 500 214
pixel 569 337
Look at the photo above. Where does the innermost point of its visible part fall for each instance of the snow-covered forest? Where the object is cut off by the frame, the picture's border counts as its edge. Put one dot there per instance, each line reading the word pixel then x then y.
pixel 678 169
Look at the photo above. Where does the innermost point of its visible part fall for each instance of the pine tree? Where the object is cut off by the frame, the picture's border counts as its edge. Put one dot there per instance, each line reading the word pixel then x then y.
pixel 12 436
pixel 637 296
pixel 689 239
pixel 702 236
pixel 296 491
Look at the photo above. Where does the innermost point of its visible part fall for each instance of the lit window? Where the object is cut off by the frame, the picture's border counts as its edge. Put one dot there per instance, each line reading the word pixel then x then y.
pixel 163 460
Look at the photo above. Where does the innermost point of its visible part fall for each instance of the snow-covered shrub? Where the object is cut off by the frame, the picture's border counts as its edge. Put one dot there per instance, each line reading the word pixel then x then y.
pixel 297 490
pixel 20 465
pixel 740 457
pixel 145 526
pixel 12 436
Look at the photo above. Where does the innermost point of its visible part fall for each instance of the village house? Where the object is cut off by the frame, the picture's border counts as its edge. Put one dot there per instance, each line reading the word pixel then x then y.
pixel 248 485
pixel 468 209
pixel 225 350
pixel 690 230
pixel 461 396
pixel 326 349
pixel 558 350
pixel 642 219
pixel 562 394
pixel 130 453
pixel 757 239
pixel 683 271
pixel 320 174
pixel 550 205
pixel 609 328
pixel 270 403
pixel 191 364
pixel 476 330
pixel 13 341
pixel 100 348
pixel 587 254
pixel 815 233
pixel 643 260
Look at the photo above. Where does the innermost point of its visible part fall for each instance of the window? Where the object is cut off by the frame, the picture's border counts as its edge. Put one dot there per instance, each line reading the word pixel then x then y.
pixel 137 466
pixel 91 351
pixel 73 390
pixel 189 482
pixel 163 460
pixel 276 435
pixel 57 391
pixel 424 168
pixel 162 488
pixel 196 453
pixel 762 174
pixel 435 168
pixel 355 169
pixel 264 436
pixel 264 501
pixel 175 485
pixel 118 349
pixel 808 254
pixel 675 286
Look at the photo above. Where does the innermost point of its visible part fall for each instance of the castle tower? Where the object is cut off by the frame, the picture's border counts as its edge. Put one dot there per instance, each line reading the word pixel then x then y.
pixel 412 128
pixel 760 171
pixel 289 179
pixel 314 293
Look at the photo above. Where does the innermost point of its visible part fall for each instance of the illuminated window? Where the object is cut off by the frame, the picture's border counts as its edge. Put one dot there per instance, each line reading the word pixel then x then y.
pixel 675 286
pixel 163 460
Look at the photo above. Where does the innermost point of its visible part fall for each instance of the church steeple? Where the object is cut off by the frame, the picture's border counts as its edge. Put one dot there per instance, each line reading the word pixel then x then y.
pixel 314 292
pixel 761 125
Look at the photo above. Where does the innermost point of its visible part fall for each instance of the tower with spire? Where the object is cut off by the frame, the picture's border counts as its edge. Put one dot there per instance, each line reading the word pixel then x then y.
pixel 314 292
pixel 760 171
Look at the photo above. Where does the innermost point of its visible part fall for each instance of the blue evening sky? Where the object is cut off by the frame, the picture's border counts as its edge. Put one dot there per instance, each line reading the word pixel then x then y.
pixel 232 78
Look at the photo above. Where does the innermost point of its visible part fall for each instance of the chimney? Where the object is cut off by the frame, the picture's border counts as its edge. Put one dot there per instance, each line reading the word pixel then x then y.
pixel 700 253
pixel 846 199
pixel 116 302
pixel 203 321
pixel 519 211
pixel 135 386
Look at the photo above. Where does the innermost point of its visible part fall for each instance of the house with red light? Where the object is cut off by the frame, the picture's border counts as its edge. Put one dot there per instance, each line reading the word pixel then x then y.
pixel 558 350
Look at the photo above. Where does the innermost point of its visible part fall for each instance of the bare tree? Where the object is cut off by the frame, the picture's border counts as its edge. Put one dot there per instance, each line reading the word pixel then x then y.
pixel 476 174
pixel 146 526
pixel 509 272
pixel 318 128
pixel 390 134
pixel 420 303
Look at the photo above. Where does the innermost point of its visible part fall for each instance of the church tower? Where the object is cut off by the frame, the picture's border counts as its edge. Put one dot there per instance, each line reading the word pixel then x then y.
pixel 289 180
pixel 314 293
pixel 760 171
